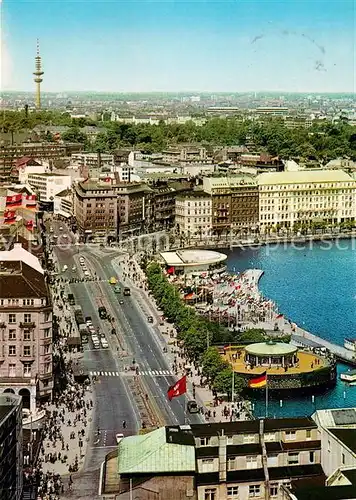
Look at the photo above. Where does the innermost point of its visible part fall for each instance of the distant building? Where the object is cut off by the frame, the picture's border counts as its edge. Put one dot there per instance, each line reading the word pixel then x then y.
pixel 131 207
pixel 38 151
pixel 185 155
pixel 271 111
pixel 26 327
pixel 11 479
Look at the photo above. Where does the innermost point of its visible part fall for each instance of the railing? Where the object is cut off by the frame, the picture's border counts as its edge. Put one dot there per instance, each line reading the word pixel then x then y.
pixel 27 324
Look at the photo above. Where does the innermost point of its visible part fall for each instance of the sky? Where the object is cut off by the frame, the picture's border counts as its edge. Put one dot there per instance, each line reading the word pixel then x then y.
pixel 206 46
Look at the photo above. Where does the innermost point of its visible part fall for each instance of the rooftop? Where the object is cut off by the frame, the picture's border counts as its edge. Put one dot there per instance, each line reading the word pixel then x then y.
pixel 159 451
pixel 271 349
pixel 346 436
pixel 19 280
pixel 303 176
pixel 187 258
pixel 19 254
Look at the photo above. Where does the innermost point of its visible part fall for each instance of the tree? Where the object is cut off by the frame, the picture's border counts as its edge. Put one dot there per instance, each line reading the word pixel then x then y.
pixel 74 135
pixel 223 383
pixel 212 363
pixel 253 335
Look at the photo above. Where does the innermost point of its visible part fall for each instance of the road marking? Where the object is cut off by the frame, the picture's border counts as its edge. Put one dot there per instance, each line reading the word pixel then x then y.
pixel 152 373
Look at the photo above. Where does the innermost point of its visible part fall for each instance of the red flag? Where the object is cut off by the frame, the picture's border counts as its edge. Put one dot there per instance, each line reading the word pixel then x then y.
pixel 170 270
pixel 179 388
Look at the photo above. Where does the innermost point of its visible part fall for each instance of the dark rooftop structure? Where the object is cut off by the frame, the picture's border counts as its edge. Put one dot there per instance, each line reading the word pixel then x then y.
pixel 18 279
pixel 346 436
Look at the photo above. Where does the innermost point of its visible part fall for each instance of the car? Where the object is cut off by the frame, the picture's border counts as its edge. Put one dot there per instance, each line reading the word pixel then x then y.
pixel 55 237
pixel 81 259
pixel 121 302
pixel 104 344
pixel 113 331
pixel 88 321
pixel 86 274
pixel 65 267
pixel 51 229
pixel 119 437
pixel 192 406
pixel 65 236
pixel 102 335
pixel 60 228
pixel 74 269
pixel 117 289
pixel 150 319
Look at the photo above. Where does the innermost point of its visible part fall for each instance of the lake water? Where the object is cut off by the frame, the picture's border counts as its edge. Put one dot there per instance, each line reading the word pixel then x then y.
pixel 314 285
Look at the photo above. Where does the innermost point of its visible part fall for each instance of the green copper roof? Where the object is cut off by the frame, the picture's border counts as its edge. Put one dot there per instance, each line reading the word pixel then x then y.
pixel 151 453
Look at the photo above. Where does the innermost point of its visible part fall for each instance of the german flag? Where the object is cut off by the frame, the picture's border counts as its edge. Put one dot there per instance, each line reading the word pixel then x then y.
pixel 257 382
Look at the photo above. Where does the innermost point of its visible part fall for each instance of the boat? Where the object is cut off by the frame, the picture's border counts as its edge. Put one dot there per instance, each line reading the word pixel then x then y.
pixel 350 344
pixel 349 376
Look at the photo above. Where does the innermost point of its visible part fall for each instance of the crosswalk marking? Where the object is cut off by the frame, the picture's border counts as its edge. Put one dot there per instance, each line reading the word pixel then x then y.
pixel 154 373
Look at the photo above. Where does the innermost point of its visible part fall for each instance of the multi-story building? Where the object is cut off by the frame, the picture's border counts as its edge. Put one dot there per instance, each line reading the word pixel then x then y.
pixel 289 198
pixel 232 460
pixel 234 202
pixel 11 463
pixel 95 209
pixel 185 155
pixel 338 437
pixel 262 162
pixel 38 150
pixel 160 203
pixel 47 185
pixel 255 459
pixel 92 160
pixel 63 204
pixel 131 207
pixel 25 327
pixel 193 214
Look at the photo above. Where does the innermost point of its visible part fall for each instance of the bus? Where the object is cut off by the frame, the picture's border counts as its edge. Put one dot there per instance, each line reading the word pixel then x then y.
pixel 127 291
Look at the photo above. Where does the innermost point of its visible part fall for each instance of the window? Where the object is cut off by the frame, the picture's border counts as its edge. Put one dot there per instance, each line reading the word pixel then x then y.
pixel 293 458
pixel 12 370
pixel 254 490
pixel 210 494
pixel 12 334
pixel 251 462
pixel 47 332
pixel 27 335
pixel 204 441
pixel 232 492
pixel 46 349
pixel 343 458
pixel 270 436
pixel 12 318
pixel 207 465
pixel 47 367
pixel 249 438
pixel 27 318
pixel 290 435
pixel 308 433
pixel 27 350
pixel 231 463
pixel 329 448
pixel 27 369
pixel 273 490
pixel 12 350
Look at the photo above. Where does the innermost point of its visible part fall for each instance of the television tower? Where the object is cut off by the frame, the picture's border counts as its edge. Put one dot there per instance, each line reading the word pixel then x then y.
pixel 38 76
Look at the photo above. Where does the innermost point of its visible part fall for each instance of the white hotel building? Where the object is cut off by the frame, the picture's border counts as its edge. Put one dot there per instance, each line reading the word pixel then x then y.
pixel 310 195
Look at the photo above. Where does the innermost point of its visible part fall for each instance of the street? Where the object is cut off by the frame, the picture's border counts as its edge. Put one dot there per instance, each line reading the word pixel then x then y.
pixel 142 343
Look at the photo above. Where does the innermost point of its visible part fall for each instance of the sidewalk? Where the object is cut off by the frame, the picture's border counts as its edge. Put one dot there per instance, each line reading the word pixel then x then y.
pixel 203 394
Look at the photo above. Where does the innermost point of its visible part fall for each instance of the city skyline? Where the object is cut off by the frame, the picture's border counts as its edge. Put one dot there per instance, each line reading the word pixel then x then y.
pixel 176 46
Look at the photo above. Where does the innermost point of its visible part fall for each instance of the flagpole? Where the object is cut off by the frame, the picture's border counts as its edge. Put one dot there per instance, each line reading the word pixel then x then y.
pixel 266 395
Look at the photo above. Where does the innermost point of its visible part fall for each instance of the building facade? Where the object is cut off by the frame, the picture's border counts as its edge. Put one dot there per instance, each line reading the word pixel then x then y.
pixel 287 199
pixel 63 204
pixel 234 203
pixel 11 463
pixel 95 209
pixel 131 208
pixel 25 327
pixel 38 150
pixel 193 214
pixel 47 185
pixel 255 459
